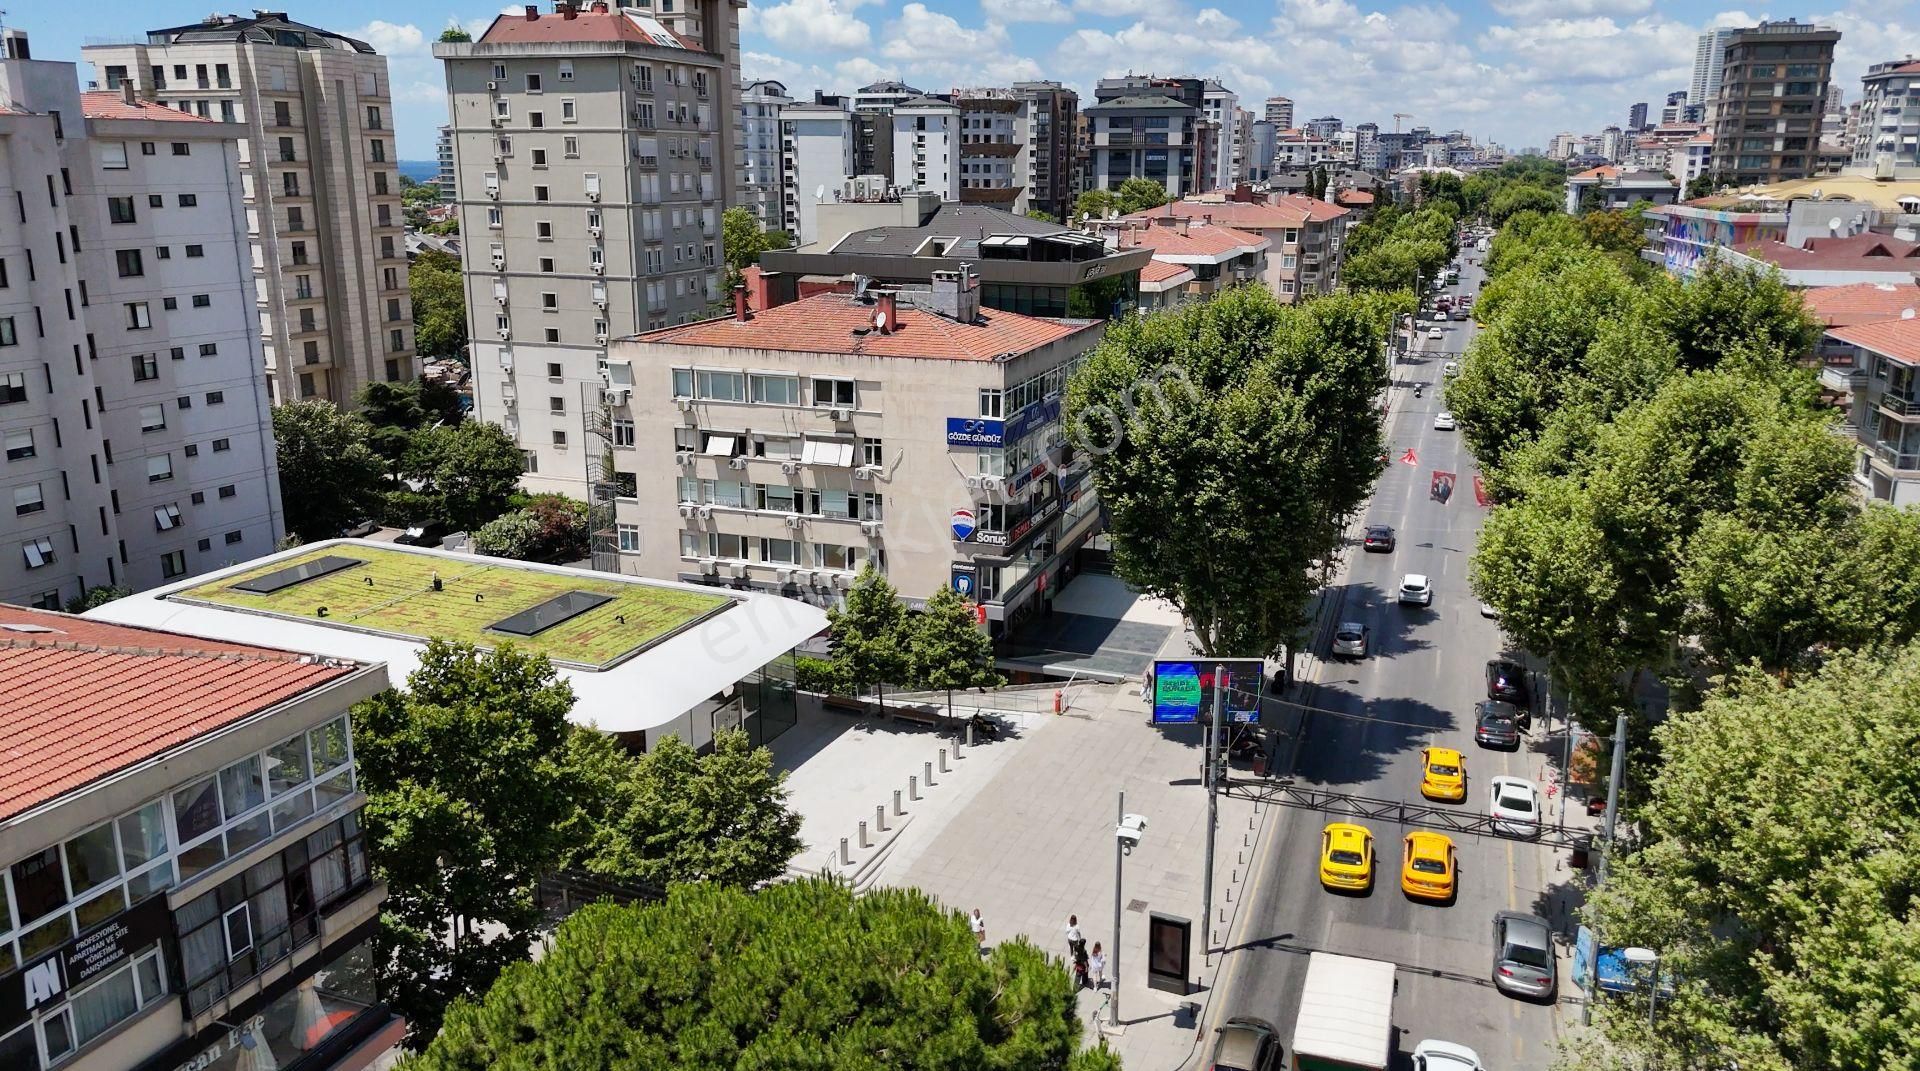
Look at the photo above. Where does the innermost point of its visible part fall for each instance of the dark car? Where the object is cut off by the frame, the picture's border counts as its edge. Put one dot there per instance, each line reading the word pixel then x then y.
pixel 1247 1044
pixel 1496 724
pixel 1508 681
pixel 423 535
pixel 1379 537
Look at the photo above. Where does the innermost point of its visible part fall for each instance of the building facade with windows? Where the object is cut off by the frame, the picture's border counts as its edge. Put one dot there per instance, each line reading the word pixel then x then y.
pixel 320 181
pixel 816 158
pixel 1886 138
pixel 1306 234
pixel 138 442
pixel 760 172
pixel 593 148
pixel 1773 89
pixel 183 867
pixel 1053 112
pixel 784 449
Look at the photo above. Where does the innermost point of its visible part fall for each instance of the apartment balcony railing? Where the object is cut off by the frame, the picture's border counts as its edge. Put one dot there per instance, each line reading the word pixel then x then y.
pixel 1891 455
pixel 1898 406
pixel 1842 377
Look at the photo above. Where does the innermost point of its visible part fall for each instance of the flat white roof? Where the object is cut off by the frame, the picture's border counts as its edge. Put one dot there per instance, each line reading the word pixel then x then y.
pixel 1346 1010
pixel 644 692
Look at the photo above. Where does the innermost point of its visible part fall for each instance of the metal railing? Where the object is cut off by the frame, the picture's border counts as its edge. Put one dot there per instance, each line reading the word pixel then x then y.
pixel 1894 457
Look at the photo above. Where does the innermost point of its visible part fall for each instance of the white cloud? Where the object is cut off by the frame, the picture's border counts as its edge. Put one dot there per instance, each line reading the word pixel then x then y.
pixel 1005 11
pixel 390 39
pixel 922 34
pixel 1528 10
pixel 809 25
pixel 1121 9
pixel 1318 14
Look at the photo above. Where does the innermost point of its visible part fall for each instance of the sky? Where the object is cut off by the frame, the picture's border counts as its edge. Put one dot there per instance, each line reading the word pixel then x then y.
pixel 1509 71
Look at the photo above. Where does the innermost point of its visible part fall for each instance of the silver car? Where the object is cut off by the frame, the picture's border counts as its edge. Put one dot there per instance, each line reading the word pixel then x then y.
pixel 1523 964
pixel 1416 590
pixel 1350 640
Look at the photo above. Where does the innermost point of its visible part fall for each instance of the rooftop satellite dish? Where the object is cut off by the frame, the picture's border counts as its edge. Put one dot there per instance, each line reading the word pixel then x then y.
pixel 1833 225
pixel 1906 314
pixel 879 321
pixel 820 192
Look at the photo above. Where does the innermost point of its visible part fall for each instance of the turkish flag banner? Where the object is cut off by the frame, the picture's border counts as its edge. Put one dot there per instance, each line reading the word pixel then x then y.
pixel 1480 492
pixel 1441 489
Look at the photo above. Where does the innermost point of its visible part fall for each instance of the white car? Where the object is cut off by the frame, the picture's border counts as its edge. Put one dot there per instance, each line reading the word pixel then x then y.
pixel 1443 421
pixel 1515 806
pixel 1350 640
pixel 1416 589
pixel 1433 1055
pixel 1487 611
pixel 1450 369
pixel 1434 332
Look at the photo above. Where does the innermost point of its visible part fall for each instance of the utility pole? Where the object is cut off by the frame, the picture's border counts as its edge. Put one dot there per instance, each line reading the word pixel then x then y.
pixel 1119 864
pixel 1212 781
pixel 1614 778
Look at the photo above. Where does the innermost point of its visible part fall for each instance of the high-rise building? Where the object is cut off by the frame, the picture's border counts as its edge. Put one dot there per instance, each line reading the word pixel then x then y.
pixel 992 145
pixel 443 155
pixel 1778 72
pixel 1220 106
pixel 138 442
pixel 1324 127
pixel 926 132
pixel 1261 144
pixel 1143 126
pixel 1676 108
pixel 816 157
pixel 1052 113
pixel 319 175
pixel 593 152
pixel 760 104
pixel 1833 118
pixel 1366 147
pixel 882 96
pixel 1709 55
pixel 1637 117
pixel 1886 132
pixel 1280 113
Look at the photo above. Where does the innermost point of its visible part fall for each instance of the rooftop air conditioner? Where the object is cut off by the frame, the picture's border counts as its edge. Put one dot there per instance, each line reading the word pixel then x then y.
pixel 794 520
pixel 789 467
pixel 871 528
pixel 683 457
pixel 842 415
pixel 736 462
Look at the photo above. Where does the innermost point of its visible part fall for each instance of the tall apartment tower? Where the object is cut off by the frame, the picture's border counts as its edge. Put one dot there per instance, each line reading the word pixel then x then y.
pixel 1052 111
pixel 759 163
pixel 1637 117
pixel 816 159
pixel 989 145
pixel 926 156
pixel 593 152
pixel 1220 105
pixel 1709 56
pixel 1886 135
pixel 319 174
pixel 138 444
pixel 1675 110
pixel 1280 113
pixel 1773 88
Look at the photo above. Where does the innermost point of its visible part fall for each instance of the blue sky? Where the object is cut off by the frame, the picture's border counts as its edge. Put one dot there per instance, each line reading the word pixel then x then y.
pixel 1513 71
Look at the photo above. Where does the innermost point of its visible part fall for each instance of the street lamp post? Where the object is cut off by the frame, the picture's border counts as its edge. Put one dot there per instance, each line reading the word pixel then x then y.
pixel 1127 832
pixel 1648 958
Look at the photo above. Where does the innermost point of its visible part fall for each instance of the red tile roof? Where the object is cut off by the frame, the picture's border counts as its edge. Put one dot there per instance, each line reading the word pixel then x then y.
pixel 1200 240
pixel 85 699
pixel 1354 197
pixel 1859 252
pixel 1603 171
pixel 105 104
pixel 1281 210
pixel 1159 271
pixel 1898 339
pixel 825 323
pixel 1861 303
pixel 584 26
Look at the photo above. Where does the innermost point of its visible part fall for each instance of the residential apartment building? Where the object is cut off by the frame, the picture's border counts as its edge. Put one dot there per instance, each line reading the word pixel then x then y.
pixel 1637 117
pixel 1709 60
pixel 1305 234
pixel 881 97
pixel 1221 107
pixel 1887 137
pixel 1773 87
pixel 443 155
pixel 138 444
pixel 1675 110
pixel 183 855
pixel 926 150
pixel 1053 112
pixel 995 148
pixel 1192 259
pixel 1324 127
pixel 1883 384
pixel 1262 140
pixel 1280 112
pixel 790 446
pixel 760 170
pixel 1155 129
pixel 816 157
pixel 593 156
pixel 319 176
pixel 1610 188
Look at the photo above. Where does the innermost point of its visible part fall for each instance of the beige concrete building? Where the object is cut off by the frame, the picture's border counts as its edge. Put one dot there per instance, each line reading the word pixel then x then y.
pixel 783 449
pixel 318 175
pixel 1306 234
pixel 592 150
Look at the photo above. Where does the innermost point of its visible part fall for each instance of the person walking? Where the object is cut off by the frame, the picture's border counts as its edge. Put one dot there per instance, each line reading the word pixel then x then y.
pixel 1076 943
pixel 1081 966
pixel 979 926
pixel 1097 966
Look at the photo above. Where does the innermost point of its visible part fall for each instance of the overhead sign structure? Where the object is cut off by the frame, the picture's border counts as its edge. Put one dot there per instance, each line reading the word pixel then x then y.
pixel 1183 690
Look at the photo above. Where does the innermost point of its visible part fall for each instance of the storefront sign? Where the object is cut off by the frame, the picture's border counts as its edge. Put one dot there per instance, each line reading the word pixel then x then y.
pixel 1034 520
pixel 985 537
pixel 225 1044
pixel 963 526
pixel 80 961
pixel 975 431
pixel 964 576
pixel 1044 411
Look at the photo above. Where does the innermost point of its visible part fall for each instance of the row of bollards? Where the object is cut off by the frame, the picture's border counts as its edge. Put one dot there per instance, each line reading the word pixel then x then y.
pixel 880 812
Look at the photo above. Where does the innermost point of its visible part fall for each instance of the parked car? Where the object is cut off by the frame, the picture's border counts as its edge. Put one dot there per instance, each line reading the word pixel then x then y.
pixel 1379 537
pixel 1433 1055
pixel 1496 724
pixel 1416 590
pixel 1514 804
pixel 1443 421
pixel 1523 955
pixel 1350 639
pixel 1508 681
pixel 1487 611
pixel 423 534
pixel 1247 1044
pixel 360 529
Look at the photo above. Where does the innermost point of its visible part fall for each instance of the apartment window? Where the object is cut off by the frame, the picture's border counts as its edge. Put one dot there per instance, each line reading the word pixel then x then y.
pixel 146 366
pixel 870 452
pixel 379 151
pixel 208 349
pixel 28 500
pixel 834 393
pixel 775 390
pixel 296 219
pixel 623 432
pixel 629 537
pixel 373 117
pixel 120 210
pixel 189 200
pixel 380 182
pixel 19 444
pixel 234 537
pixel 167 517
pixel 570 147
pixel 138 316
pixel 290 184
pixel 286 151
pixel 499 71
pixel 990 403
pixel 173 564
pixel 13 385
pixel 556 404
pixel 202 301
pixel 530 461
pixel 216 397
pixel 169 303
pixel 8 337
pixel 282 113
pixel 543 230
pixel 196 251
pixel 566 110
pixel 221 446
pixel 539 157
pixel 38 552
pixel 537 120
pixel 299 250
pixel 566 70
pixel 154 200
pixel 720 386
pixel 159 468
pixel 153 418
pixel 163 253
pixel 559 437
pixel 533 83
pixel 539 193
pixel 228 490
pixel 550 301
pixel 396 341
pixel 546 265
pixel 181 148
pixel 128 262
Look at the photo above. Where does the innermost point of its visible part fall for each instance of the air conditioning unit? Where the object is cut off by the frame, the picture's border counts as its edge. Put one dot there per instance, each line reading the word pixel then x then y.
pixel 737 569
pixel 506 360
pixel 865 472
pixel 736 462
pixel 871 528
pixel 598 268
pixel 709 565
pixel 973 483
pixel 794 520
pixel 686 509
pixel 500 299
pixel 493 192
pixel 842 415
pixel 783 575
pixel 995 484
pixel 506 333
pixel 683 457
pixel 493 87
pixel 789 467
pixel 600 339
pixel 705 512
pixel 593 195
pixel 594 231
pixel 614 396
pixel 685 404
pixel 842 581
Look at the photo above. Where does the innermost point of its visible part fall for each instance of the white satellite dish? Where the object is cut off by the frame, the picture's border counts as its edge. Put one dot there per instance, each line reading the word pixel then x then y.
pixel 820 193
pixel 1833 225
pixel 1906 314
pixel 879 321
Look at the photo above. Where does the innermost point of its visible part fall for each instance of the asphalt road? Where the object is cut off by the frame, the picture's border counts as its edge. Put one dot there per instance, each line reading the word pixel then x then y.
pixel 1418 686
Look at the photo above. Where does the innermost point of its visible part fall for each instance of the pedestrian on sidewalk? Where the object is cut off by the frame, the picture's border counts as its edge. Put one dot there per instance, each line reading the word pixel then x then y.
pixel 1081 964
pixel 1097 966
pixel 1076 944
pixel 979 926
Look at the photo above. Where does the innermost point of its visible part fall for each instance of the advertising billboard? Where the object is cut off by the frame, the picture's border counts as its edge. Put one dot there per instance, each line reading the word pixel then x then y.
pixel 975 431
pixel 1183 689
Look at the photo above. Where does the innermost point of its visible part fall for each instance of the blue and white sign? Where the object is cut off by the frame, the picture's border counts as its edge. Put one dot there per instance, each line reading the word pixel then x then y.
pixel 963 525
pixel 963 581
pixel 975 431
pixel 1033 416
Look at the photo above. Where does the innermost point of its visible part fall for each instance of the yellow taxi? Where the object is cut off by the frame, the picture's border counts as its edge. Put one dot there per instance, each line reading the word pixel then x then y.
pixel 1427 866
pixel 1443 775
pixel 1346 856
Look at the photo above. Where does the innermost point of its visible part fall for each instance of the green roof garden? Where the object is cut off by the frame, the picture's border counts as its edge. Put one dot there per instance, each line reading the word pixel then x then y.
pixel 573 618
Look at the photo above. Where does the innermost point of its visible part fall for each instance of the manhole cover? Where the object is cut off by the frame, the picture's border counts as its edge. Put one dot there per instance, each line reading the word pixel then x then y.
pixel 1136 905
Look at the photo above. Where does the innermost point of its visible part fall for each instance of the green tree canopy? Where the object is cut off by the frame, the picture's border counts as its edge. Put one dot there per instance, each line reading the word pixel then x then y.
pixel 1096 203
pixel 803 974
pixel 469 471
pixel 1514 200
pixel 1261 422
pixel 439 304
pixel 550 529
pixel 1140 194
pixel 396 411
pixel 744 240
pixel 1724 310
pixel 948 650
pixel 455 35
pixel 330 478
pixel 870 632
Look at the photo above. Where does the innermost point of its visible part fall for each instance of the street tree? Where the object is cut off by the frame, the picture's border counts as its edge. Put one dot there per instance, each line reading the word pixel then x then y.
pixel 549 528
pixel 439 304
pixel 396 411
pixel 1042 215
pixel 469 471
pixel 948 648
pixel 1140 194
pixel 869 633
pixel 675 815
pixel 1516 199
pixel 1725 310
pixel 469 803
pixel 1230 443
pixel 801 974
pixel 744 240
pixel 330 477
pixel 1095 203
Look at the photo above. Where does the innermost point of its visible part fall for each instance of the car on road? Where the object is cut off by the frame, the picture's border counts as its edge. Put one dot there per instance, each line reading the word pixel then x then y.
pixel 1487 611
pixel 1515 806
pixel 1443 774
pixel 1507 680
pixel 1496 724
pixel 1246 1044
pixel 1433 1055
pixel 1523 955
pixel 1416 589
pixel 1427 866
pixel 1434 332
pixel 1350 639
pixel 1346 856
pixel 360 529
pixel 1379 537
pixel 1443 421
pixel 423 534
pixel 1450 369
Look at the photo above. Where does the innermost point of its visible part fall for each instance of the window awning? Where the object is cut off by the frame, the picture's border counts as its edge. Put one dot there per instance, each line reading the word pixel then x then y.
pixel 719 446
pixel 827 452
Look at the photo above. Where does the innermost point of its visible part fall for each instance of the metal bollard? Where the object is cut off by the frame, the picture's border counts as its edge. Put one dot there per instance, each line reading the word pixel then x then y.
pixel 896 802
pixel 845 858
pixel 880 817
pixel 913 787
pixel 927 769
pixel 969 732
pixel 943 760
pixel 864 843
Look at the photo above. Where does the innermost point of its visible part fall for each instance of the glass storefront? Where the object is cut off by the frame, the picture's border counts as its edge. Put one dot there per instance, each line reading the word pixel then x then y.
pixel 302 1019
pixel 762 705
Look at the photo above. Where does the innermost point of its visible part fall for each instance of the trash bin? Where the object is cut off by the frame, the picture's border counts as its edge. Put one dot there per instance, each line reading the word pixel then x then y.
pixel 1260 765
pixel 1597 806
pixel 1582 851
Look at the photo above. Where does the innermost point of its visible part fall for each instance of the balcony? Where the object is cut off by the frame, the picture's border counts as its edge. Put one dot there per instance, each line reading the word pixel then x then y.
pixel 1842 377
pixel 1891 456
pixel 1898 406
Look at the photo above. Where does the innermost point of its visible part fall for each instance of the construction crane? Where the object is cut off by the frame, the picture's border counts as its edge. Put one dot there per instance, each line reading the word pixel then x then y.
pixel 1397 116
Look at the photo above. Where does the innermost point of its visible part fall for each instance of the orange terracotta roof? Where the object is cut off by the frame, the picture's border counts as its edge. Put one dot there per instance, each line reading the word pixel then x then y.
pixel 1200 240
pixel 1283 210
pixel 105 104
pixel 86 699
pixel 1603 171
pixel 825 323
pixel 1354 197
pixel 1898 339
pixel 1860 252
pixel 554 27
pixel 1861 303
pixel 1159 271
